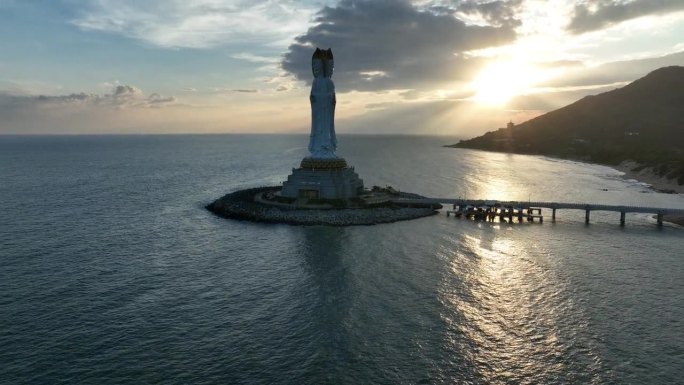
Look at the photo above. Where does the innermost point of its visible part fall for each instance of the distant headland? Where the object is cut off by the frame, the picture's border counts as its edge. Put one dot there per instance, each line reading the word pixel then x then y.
pixel 638 129
pixel 324 190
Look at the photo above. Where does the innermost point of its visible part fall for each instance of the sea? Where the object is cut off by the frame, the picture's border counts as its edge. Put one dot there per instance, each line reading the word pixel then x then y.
pixel 113 272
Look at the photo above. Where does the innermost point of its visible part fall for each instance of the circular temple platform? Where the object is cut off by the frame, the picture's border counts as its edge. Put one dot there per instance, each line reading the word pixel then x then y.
pixel 254 205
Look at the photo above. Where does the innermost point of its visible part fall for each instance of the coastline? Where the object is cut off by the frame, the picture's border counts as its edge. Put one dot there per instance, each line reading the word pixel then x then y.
pixel 657 183
pixel 647 175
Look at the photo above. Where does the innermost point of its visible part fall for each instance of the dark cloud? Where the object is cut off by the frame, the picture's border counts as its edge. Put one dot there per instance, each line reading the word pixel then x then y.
pixel 411 95
pixel 615 72
pixel 71 98
pixel 379 106
pixel 122 96
pixel 245 91
pixel 548 101
pixel 156 99
pixel 497 13
pixel 460 118
pixel 561 63
pixel 596 14
pixel 391 44
pixel 126 109
pixel 457 116
pixel 126 91
pixel 404 118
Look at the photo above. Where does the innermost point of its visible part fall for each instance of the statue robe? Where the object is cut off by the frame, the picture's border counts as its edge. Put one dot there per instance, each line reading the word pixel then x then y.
pixel 322 142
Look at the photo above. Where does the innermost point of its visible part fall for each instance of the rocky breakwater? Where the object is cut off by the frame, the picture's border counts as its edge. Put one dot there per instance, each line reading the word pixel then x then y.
pixel 245 205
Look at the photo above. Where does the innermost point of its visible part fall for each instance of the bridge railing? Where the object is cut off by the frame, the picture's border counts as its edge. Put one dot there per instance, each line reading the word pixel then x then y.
pixel 548 205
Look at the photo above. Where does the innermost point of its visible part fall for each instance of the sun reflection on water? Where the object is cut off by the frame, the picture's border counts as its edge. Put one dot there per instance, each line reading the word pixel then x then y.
pixel 505 312
pixel 495 181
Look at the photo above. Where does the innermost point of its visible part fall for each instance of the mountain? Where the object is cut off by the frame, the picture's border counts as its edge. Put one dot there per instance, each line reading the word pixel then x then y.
pixel 642 122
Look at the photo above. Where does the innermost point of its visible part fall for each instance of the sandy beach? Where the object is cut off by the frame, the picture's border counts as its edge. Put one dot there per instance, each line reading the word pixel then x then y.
pixel 657 183
pixel 647 175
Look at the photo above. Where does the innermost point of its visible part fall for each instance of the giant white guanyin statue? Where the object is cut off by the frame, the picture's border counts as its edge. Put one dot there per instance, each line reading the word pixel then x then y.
pixel 322 142
pixel 322 174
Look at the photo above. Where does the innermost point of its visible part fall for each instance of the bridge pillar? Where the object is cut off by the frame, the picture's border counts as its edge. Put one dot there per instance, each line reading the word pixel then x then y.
pixel 622 218
pixel 586 216
pixel 553 215
pixel 660 219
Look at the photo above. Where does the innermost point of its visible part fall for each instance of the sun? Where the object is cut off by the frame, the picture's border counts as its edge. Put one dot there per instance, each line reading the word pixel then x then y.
pixel 500 81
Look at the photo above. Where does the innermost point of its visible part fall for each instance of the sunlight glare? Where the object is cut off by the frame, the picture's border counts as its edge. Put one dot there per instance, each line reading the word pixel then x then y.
pixel 501 81
pixel 497 83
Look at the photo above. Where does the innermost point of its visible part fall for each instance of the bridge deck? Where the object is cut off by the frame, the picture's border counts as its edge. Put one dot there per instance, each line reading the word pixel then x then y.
pixel 547 205
pixel 519 206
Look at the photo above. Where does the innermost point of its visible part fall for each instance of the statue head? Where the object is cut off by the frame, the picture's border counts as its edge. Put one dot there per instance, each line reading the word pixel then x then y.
pixel 322 63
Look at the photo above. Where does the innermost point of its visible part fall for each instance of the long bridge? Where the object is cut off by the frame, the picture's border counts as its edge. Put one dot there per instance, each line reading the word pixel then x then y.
pixel 659 212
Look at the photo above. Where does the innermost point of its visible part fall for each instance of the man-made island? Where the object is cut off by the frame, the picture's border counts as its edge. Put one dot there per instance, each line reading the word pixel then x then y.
pixel 324 190
pixel 637 129
pixel 264 204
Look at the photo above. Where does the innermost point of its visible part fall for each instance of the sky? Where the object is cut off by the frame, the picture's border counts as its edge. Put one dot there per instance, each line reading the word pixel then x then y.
pixel 436 67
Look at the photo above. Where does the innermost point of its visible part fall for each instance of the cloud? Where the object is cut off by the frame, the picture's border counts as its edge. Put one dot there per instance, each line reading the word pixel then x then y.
pixel 155 99
pixel 122 96
pixel 197 23
pixel 592 15
pixel 462 118
pixel 392 44
pixel 252 58
pixel 131 96
pixel 614 72
pixel 496 13
pixel 125 109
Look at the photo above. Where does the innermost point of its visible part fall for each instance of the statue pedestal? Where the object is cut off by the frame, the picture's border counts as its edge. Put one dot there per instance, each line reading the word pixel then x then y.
pixel 323 179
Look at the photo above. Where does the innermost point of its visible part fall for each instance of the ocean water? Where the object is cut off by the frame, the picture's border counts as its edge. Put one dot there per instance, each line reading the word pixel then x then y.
pixel 112 272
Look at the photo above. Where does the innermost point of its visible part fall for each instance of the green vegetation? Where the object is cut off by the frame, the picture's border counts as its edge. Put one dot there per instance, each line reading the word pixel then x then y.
pixel 642 122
